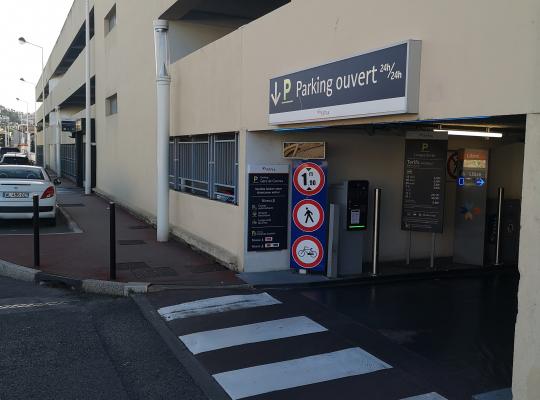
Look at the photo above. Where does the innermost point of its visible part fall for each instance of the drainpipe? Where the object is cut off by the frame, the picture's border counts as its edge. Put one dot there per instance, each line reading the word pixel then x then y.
pixel 163 83
pixel 58 142
pixel 88 129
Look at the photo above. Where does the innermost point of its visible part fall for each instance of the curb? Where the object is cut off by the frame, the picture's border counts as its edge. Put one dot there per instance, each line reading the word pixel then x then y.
pixel 195 369
pixel 382 279
pixel 95 286
pixel 14 271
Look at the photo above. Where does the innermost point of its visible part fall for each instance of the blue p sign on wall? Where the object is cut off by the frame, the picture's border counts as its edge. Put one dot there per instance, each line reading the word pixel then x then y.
pixel 309 223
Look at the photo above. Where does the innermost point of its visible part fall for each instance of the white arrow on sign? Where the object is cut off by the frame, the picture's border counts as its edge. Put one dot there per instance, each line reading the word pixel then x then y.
pixel 275 96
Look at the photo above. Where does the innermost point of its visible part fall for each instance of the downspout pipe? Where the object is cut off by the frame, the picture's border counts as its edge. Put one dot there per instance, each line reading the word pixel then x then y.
pixel 163 87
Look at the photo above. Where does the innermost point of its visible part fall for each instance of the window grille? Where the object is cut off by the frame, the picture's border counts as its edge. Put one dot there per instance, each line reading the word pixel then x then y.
pixel 205 165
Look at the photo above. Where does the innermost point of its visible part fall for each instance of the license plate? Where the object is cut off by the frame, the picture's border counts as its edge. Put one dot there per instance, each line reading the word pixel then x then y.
pixel 16 195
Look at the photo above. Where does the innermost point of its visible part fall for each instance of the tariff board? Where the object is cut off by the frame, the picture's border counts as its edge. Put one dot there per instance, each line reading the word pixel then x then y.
pixel 268 205
pixel 424 180
pixel 308 214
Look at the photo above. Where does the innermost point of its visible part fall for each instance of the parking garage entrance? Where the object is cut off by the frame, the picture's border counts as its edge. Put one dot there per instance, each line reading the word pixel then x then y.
pixel 450 194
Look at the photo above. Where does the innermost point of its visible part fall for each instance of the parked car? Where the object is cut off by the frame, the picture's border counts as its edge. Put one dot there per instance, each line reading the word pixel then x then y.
pixel 18 185
pixel 15 159
pixel 4 150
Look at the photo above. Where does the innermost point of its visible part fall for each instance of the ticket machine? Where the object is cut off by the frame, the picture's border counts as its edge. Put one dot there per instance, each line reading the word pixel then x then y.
pixel 352 199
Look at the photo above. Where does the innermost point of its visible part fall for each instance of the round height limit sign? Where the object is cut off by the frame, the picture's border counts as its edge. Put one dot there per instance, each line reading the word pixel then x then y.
pixel 309 179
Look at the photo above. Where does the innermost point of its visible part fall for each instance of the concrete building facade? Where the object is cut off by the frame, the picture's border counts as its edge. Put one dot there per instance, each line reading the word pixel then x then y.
pixel 478 70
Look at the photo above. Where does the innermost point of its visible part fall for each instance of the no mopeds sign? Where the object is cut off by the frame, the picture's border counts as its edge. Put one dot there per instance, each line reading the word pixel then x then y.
pixel 307 251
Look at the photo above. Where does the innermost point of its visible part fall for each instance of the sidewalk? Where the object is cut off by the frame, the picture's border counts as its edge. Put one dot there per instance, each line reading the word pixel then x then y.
pixel 139 257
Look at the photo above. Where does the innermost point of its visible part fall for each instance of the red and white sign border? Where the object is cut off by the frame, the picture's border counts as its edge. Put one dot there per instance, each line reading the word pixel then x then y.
pixel 299 224
pixel 320 249
pixel 321 174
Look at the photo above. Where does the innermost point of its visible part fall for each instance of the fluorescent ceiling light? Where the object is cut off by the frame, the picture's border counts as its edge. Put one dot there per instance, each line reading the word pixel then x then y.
pixel 470 133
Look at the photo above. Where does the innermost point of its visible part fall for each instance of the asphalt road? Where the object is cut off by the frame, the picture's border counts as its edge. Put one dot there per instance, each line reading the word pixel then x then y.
pixel 56 344
pixel 465 326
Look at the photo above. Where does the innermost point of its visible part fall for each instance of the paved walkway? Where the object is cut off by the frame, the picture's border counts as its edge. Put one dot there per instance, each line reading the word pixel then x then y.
pixel 86 255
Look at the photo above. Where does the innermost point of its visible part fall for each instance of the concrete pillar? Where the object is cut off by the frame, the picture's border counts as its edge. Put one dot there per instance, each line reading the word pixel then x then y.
pixel 526 373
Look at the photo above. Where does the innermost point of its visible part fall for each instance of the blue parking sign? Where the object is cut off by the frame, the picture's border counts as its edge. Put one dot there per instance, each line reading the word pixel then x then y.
pixel 309 220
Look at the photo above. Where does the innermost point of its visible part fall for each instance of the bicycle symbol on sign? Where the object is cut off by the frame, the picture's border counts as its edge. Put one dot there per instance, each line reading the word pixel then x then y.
pixel 307 251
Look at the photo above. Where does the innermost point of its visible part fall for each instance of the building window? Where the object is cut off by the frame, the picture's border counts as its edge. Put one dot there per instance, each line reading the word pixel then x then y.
pixel 110 20
pixel 205 165
pixel 111 105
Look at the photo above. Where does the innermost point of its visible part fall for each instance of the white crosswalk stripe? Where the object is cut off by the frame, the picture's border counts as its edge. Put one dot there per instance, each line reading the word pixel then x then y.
pixel 427 396
pixel 216 305
pixel 253 333
pixel 299 372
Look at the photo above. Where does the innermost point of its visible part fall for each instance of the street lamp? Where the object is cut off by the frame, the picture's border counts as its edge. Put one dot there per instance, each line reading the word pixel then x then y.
pixel 27 130
pixel 22 40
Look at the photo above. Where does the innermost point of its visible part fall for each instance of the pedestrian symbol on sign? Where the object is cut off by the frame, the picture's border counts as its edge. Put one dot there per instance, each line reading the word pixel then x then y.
pixel 309 215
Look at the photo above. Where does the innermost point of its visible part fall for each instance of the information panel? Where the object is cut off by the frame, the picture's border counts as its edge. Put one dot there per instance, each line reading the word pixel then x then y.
pixel 309 221
pixel 424 180
pixel 268 206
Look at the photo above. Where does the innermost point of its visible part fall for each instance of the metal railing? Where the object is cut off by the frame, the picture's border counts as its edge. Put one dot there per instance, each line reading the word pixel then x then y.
pixel 205 165
pixel 39 155
pixel 68 160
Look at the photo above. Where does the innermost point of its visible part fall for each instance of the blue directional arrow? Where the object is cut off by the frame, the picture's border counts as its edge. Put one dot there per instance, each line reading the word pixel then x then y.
pixel 480 182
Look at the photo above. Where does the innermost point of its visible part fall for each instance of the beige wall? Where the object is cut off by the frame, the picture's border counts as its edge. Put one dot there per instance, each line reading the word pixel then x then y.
pixel 472 64
pixel 526 373
pixel 126 142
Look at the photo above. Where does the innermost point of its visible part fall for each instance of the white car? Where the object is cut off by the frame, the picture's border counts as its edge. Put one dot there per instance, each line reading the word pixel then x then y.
pixel 18 185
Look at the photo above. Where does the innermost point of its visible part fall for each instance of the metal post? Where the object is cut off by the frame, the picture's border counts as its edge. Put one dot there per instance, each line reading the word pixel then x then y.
pixel 27 132
pixel 88 129
pixel 35 200
pixel 45 160
pixel 333 241
pixel 376 229
pixel 409 241
pixel 58 142
pixel 112 241
pixel 500 199
pixel 432 257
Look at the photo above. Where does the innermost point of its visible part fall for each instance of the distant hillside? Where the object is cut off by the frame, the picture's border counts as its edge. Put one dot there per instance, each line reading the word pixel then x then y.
pixel 14 116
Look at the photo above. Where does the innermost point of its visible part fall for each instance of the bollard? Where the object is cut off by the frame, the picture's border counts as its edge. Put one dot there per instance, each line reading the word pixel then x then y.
pixel 500 199
pixel 112 240
pixel 35 200
pixel 376 230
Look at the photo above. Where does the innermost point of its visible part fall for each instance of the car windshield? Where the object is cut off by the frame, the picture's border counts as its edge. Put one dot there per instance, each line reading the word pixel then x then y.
pixel 21 173
pixel 15 160
pixel 5 150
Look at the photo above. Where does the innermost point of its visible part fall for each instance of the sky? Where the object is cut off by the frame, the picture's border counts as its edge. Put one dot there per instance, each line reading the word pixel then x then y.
pixel 39 22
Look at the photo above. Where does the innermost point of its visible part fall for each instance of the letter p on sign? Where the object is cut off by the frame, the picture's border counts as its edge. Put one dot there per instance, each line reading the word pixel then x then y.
pixel 286 88
pixel 425 146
